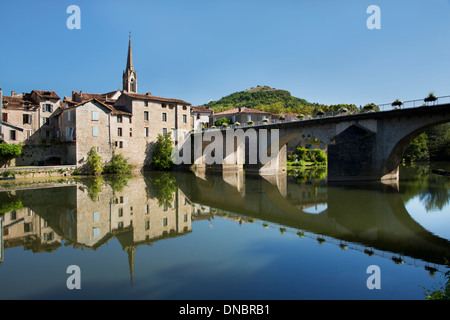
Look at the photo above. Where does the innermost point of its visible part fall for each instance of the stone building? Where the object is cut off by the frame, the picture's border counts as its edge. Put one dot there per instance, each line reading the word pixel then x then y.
pixel 124 122
pixel 201 117
pixel 29 117
pixel 242 115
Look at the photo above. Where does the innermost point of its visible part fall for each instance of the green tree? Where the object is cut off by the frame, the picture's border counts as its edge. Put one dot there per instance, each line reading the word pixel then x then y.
pixel 118 165
pixel 9 152
pixel 439 142
pixel 417 150
pixel 162 155
pixel 94 163
pixel 318 156
pixel 221 121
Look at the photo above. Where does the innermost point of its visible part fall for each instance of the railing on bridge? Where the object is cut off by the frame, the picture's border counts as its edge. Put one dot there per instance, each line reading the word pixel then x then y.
pixel 416 103
pixel 383 107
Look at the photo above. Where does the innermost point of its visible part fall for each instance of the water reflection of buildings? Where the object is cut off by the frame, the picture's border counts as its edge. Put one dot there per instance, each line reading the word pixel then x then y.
pixel 155 207
pixel 79 218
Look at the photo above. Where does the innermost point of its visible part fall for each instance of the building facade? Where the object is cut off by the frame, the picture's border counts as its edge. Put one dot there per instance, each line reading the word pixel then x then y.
pixel 120 121
pixel 201 117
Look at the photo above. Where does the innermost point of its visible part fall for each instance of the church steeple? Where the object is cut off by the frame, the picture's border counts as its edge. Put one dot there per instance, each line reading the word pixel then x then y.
pixel 129 75
pixel 130 56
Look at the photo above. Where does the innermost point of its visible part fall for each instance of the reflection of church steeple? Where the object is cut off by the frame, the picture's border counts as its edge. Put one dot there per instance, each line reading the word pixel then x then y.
pixel 130 252
pixel 126 240
pixel 129 75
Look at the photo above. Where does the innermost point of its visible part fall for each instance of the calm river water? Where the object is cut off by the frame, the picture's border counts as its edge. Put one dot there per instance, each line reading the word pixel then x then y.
pixel 181 236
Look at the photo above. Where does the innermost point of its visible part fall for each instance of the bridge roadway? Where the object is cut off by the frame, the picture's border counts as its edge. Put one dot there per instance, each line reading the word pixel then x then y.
pixel 365 146
pixel 376 218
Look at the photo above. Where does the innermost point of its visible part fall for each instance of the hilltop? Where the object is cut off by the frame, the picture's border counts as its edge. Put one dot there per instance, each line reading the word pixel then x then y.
pixel 267 99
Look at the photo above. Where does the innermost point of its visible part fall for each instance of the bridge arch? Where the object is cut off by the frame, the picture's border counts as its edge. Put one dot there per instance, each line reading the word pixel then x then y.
pixel 365 146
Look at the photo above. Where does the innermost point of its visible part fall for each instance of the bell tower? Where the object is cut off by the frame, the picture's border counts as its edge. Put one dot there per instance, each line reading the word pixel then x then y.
pixel 129 75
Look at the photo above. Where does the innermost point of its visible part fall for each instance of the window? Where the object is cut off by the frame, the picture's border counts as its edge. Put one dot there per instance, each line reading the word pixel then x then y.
pixel 120 225
pixel 184 108
pixel 131 132
pixel 95 131
pixel 28 227
pixel 163 105
pixel 120 212
pixel 198 116
pixel 120 144
pixel 12 135
pixel 27 119
pixel 119 132
pixel 165 222
pixel 48 236
pixel 164 117
pixel 69 134
pixel 146 131
pixel 68 115
pixel 147 224
pixel 47 107
pixel 96 216
pixel 185 218
pixel 119 119
pixel 184 118
pixel 145 115
pixel 146 103
pixel 96 232
pixel 94 115
pixel 4 117
pixel 13 215
pixel 249 118
pixel 46 121
pixel 164 131
pixel 47 134
pixel 147 209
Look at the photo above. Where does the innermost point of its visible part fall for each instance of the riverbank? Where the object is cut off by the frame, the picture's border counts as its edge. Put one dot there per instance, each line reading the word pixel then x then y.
pixel 36 172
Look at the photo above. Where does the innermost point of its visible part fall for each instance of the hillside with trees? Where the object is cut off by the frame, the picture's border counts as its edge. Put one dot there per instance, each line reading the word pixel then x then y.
pixel 272 100
pixel 433 145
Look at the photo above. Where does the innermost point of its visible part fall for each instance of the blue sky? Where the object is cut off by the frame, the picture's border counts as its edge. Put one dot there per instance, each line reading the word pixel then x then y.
pixel 201 50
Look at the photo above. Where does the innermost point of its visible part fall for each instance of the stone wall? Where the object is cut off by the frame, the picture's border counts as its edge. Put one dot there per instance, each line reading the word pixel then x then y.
pixel 43 154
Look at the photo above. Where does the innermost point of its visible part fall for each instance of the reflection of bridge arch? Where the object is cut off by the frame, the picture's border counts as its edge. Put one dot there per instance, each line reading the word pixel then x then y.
pixel 376 218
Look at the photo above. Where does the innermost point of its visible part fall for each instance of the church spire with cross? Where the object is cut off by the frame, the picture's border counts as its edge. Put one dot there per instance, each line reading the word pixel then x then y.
pixel 129 75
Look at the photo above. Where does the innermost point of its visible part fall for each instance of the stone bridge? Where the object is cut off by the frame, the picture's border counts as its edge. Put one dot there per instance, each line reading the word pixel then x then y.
pixel 365 146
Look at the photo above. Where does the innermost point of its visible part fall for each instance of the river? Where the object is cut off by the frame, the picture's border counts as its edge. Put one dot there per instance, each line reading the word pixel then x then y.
pixel 167 236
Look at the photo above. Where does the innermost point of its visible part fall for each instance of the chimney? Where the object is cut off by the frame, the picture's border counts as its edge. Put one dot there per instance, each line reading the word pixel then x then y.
pixel 148 94
pixel 13 93
pixel 240 109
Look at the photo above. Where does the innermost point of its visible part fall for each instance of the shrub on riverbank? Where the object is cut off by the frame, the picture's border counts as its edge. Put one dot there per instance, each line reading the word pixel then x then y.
pixel 306 157
pixel 118 165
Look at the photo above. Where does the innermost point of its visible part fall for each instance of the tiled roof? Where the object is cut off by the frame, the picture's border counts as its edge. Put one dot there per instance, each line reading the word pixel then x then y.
pixel 109 107
pixel 12 125
pixel 291 115
pixel 46 94
pixel 201 110
pixel 240 110
pixel 154 98
pixel 18 100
